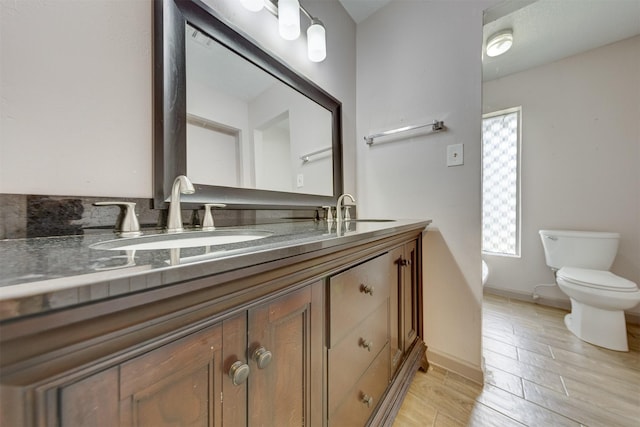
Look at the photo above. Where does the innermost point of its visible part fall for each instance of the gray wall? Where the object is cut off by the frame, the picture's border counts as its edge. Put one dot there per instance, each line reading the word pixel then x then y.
pixel 419 61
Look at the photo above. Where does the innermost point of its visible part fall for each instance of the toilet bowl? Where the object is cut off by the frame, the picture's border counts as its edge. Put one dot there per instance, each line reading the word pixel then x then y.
pixel 581 262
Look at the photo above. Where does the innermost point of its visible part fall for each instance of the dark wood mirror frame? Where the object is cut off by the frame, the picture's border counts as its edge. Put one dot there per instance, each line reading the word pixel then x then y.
pixel 170 134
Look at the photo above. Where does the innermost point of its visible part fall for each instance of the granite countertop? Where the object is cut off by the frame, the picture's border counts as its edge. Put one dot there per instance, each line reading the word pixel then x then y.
pixel 42 274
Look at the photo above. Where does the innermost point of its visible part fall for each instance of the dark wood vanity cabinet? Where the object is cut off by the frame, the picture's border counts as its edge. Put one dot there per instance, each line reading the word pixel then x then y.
pixel 175 384
pixel 373 323
pixel 262 367
pixel 409 295
pixel 359 339
pixel 325 340
pixel 285 350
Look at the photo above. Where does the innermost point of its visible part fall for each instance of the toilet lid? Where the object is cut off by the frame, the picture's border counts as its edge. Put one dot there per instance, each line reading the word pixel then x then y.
pixel 597 279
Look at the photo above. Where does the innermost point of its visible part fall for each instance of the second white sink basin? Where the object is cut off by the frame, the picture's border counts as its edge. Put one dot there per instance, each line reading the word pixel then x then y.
pixel 189 239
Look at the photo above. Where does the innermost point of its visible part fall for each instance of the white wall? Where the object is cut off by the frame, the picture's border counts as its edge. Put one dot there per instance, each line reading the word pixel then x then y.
pixel 273 158
pixel 580 158
pixel 215 157
pixel 76 84
pixel 310 129
pixel 419 61
pixel 76 87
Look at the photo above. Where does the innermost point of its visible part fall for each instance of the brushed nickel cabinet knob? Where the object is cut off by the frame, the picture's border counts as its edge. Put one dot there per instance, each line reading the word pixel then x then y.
pixel 239 372
pixel 367 400
pixel 262 357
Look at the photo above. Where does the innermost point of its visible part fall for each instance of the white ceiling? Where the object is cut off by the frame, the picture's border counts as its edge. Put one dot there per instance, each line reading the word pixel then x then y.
pixel 548 30
pixel 544 30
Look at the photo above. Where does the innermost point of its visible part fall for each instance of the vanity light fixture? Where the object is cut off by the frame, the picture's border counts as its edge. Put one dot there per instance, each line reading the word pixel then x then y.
pixel 288 13
pixel 316 41
pixel 499 42
pixel 289 19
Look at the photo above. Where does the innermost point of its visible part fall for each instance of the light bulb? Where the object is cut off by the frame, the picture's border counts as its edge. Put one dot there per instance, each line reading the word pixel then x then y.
pixel 289 19
pixel 253 5
pixel 316 41
pixel 499 43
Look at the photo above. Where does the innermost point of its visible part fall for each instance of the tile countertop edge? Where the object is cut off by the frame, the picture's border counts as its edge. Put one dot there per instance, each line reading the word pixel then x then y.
pixel 36 297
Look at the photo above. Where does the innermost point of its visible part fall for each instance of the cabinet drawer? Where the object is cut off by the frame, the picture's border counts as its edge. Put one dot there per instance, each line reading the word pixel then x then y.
pixel 355 293
pixel 351 358
pixel 354 411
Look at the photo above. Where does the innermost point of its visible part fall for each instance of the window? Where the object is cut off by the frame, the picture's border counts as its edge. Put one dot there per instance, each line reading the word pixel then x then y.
pixel 501 182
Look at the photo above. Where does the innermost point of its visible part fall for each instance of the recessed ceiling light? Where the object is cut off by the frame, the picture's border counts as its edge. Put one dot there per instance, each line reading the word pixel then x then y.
pixel 500 42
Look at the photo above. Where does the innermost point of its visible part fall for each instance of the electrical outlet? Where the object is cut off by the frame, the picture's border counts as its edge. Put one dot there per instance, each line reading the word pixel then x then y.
pixel 455 155
pixel 300 180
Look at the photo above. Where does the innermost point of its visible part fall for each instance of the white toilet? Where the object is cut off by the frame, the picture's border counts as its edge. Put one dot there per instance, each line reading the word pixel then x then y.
pixel 485 272
pixel 581 262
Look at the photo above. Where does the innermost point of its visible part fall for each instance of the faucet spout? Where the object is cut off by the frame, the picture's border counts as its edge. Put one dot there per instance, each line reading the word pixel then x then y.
pixel 340 205
pixel 181 185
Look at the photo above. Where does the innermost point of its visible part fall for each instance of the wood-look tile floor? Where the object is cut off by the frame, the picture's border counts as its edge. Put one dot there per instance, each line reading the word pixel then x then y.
pixel 537 373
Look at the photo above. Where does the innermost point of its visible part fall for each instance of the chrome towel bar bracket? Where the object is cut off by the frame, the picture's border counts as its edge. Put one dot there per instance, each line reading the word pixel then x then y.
pixel 436 126
pixel 306 157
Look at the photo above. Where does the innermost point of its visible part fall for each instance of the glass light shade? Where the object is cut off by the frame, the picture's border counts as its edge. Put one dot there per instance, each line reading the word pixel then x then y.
pixel 289 19
pixel 253 5
pixel 316 41
pixel 499 43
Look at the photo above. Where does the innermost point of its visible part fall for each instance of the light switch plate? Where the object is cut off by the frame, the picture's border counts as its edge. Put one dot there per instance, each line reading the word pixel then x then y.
pixel 455 155
pixel 300 180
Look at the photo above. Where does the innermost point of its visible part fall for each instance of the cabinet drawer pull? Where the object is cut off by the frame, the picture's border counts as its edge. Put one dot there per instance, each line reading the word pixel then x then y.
pixel 262 357
pixel 239 372
pixel 367 400
pixel 366 344
pixel 366 289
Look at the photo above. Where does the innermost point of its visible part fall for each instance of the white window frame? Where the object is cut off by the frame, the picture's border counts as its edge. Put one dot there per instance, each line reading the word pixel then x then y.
pixel 493 114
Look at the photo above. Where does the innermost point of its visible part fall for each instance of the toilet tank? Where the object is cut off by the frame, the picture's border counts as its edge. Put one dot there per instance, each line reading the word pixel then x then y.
pixel 582 249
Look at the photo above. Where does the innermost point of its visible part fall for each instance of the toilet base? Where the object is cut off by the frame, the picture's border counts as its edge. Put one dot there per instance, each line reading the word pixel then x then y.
pixel 604 328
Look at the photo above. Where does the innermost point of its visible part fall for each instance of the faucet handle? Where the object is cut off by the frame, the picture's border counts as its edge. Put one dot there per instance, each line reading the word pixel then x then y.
pixel 207 222
pixel 347 215
pixel 127 223
pixel 328 215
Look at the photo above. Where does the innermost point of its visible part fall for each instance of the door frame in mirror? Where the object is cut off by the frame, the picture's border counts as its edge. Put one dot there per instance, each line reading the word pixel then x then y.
pixel 170 109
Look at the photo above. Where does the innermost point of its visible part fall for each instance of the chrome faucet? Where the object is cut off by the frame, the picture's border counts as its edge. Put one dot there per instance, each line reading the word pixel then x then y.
pixel 183 185
pixel 127 223
pixel 340 205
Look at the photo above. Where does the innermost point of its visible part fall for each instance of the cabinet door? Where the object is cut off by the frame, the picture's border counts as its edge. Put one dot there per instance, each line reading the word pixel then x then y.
pixel 234 371
pixel 285 352
pixel 409 295
pixel 88 401
pixel 396 333
pixel 176 384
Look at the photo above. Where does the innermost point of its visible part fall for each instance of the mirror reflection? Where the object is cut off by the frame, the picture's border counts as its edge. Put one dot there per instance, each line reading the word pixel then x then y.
pixel 247 129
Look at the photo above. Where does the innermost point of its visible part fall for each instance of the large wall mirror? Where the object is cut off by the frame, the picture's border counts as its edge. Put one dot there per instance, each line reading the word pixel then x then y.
pixel 243 126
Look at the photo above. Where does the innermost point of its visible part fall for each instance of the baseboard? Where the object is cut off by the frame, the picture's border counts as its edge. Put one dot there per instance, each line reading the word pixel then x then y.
pixel 453 364
pixel 632 318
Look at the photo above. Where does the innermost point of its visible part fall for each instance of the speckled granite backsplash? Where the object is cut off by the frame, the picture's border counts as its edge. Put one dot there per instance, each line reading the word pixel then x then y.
pixel 24 216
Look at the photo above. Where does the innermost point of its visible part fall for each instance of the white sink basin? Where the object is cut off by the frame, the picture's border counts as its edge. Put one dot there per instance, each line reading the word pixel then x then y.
pixel 372 220
pixel 189 239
